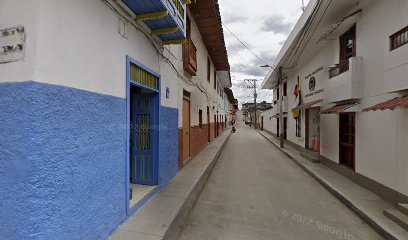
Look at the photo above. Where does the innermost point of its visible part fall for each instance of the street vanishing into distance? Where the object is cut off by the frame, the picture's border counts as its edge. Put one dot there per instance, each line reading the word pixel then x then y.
pixel 256 192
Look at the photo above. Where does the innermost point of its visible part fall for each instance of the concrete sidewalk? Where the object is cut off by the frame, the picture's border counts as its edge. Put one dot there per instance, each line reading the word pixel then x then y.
pixel 164 215
pixel 366 204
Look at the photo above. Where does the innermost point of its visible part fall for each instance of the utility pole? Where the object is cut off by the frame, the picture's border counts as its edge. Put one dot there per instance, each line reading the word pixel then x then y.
pixel 253 86
pixel 281 133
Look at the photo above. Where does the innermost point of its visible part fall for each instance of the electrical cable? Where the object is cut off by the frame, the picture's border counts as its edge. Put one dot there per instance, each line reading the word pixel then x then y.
pixel 243 44
pixel 159 51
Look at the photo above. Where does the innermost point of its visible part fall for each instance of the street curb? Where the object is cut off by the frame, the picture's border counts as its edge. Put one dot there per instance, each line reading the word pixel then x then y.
pixel 370 220
pixel 180 220
pixel 164 216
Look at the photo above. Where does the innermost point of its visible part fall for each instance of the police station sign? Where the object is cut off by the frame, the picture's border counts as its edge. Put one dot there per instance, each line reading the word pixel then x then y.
pixel 12 44
pixel 312 77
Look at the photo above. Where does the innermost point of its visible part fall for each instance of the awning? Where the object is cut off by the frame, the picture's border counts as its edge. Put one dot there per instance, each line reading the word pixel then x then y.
pixel 308 105
pixel 339 108
pixel 390 104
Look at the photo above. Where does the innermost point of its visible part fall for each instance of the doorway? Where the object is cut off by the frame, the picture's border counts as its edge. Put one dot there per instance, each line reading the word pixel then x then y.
pixel 277 127
pixel 215 126
pixel 285 128
pixel 262 123
pixel 186 126
pixel 347 140
pixel 312 124
pixel 143 98
pixel 208 124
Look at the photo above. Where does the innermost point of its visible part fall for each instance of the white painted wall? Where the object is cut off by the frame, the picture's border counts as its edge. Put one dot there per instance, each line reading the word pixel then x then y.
pixel 381 137
pixel 25 13
pixel 269 121
pixel 202 92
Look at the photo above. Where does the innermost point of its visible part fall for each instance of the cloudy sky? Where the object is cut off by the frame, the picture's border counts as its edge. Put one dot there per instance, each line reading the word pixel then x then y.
pixel 263 27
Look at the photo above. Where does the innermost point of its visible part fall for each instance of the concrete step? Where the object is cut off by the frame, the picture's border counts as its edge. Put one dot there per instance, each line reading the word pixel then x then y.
pixel 403 207
pixel 398 217
pixel 311 156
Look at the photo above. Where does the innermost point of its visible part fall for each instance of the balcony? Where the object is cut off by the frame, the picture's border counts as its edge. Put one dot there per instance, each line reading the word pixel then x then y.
pixel 340 68
pixel 396 69
pixel 190 58
pixel 165 18
pixel 345 81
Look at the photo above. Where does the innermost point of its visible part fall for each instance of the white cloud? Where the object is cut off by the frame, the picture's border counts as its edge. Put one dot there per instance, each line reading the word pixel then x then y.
pixel 247 22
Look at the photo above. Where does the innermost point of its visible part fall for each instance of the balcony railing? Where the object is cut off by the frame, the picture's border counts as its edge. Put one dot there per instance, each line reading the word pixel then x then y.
pixel 165 18
pixel 180 9
pixel 340 68
pixel 190 57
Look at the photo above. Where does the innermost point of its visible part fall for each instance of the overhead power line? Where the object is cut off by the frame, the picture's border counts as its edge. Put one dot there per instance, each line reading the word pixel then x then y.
pixel 243 44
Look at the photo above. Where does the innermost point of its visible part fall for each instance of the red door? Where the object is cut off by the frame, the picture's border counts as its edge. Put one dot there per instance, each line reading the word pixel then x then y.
pixel 347 140
pixel 208 124
pixel 186 129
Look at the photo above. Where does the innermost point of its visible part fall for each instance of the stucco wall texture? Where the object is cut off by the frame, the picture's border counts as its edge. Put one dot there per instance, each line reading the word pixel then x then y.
pixel 62 161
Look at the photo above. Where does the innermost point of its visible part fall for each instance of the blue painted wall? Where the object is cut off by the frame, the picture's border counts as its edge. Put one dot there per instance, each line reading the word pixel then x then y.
pixel 168 144
pixel 62 161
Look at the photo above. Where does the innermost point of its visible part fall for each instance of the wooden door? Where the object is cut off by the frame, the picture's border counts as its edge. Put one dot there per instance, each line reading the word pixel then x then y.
pixel 262 123
pixel 215 126
pixel 208 124
pixel 285 128
pixel 186 129
pixel 347 140
pixel 307 130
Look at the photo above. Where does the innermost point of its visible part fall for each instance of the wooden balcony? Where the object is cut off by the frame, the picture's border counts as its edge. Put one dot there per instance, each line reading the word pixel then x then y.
pixel 340 68
pixel 190 57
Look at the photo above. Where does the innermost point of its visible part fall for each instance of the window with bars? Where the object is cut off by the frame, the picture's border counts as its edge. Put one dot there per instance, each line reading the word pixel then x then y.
pixel 299 125
pixel 399 38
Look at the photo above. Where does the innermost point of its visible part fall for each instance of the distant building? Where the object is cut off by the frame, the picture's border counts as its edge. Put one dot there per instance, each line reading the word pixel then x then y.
pixel 253 115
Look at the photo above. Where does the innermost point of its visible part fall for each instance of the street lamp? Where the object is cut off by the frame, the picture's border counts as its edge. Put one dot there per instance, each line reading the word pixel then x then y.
pixel 267 66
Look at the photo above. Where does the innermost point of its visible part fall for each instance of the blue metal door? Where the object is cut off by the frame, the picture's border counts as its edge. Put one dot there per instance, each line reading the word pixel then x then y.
pixel 143 121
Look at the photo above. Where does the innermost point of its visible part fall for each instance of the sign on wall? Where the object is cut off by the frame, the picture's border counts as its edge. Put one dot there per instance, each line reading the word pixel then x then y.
pixel 12 44
pixel 312 82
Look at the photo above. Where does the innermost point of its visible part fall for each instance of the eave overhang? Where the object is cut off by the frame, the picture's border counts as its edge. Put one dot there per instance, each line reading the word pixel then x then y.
pixel 206 14
pixel 320 22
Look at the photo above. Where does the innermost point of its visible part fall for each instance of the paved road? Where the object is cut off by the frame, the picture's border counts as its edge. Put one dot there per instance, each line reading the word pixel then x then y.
pixel 256 192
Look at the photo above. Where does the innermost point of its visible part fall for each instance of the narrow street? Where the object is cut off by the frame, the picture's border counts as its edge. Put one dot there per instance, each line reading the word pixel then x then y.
pixel 257 192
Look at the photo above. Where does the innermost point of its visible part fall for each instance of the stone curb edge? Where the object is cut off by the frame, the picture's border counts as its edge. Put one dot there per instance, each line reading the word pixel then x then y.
pixel 180 220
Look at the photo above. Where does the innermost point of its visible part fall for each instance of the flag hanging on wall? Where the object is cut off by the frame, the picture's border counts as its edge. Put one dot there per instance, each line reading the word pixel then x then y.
pixel 296 112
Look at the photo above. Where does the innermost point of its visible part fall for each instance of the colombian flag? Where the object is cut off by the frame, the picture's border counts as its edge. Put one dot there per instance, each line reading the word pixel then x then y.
pixel 296 112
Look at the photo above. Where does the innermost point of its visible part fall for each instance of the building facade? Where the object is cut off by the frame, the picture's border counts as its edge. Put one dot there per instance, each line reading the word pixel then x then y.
pixel 92 102
pixel 344 76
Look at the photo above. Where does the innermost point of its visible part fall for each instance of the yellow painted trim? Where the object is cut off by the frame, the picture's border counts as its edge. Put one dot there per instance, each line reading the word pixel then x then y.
pixel 170 42
pixel 164 31
pixel 152 16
